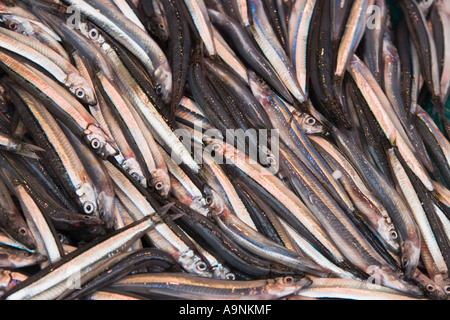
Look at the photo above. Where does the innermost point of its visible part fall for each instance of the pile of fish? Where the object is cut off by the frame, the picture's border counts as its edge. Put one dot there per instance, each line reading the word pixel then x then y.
pixel 224 149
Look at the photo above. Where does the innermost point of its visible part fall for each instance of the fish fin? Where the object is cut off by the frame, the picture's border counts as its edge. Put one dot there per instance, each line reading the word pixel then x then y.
pixel 29 150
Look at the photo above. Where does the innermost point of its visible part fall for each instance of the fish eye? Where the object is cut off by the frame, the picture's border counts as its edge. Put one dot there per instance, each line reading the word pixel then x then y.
pixel 159 185
pixel 230 276
pixel 288 280
pixel 134 175
pixel 161 26
pixel 201 266
pixel 93 34
pixel 405 262
pixel 27 254
pixel 22 231
pixel 88 207
pixel 310 121
pixel 260 81
pixel 430 287
pixel 447 289
pixel 80 93
pixel 95 143
pixel 209 200
pixel 159 89
pixel 393 234
pixel 13 26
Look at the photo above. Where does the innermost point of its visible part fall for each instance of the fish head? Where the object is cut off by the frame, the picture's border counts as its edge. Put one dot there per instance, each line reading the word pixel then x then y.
pixel 308 123
pixel 434 290
pixel 163 81
pixel 106 204
pixel 410 256
pixel 87 197
pixel 133 168
pixel 386 276
pixel 159 28
pixel 287 284
pixel 81 89
pixel 35 257
pixel 212 200
pixel 160 181
pixel 18 24
pixel 92 33
pixel 100 141
pixel 258 86
pixel 389 235
pixel 194 264
pixel 23 235
pixel 21 258
pixel 425 5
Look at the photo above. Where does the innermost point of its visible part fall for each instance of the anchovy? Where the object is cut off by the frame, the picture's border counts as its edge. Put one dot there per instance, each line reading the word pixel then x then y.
pixel 351 289
pixel 43 232
pixel 277 16
pixel 180 43
pixel 376 214
pixel 249 52
pixel 386 117
pixel 352 36
pixel 55 280
pixel 392 71
pixel 60 154
pixel 161 235
pixel 127 158
pixel 267 41
pixel 151 258
pixel 216 178
pixel 57 66
pixel 200 17
pixel 420 217
pixel 270 182
pixel 373 38
pixel 17 258
pixel 42 34
pixel 392 201
pixel 424 44
pixel 51 198
pixel 127 10
pixel 229 56
pixel 156 18
pixel 435 140
pixel 298 32
pixel 320 61
pixel 102 182
pixel 133 38
pixel 135 128
pixel 442 9
pixel 193 287
pixel 294 137
pixel 11 220
pixel 68 109
pixel 206 231
pixel 148 111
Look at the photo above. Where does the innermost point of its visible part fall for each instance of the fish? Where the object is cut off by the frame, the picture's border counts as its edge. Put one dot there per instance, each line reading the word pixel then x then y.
pixel 192 287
